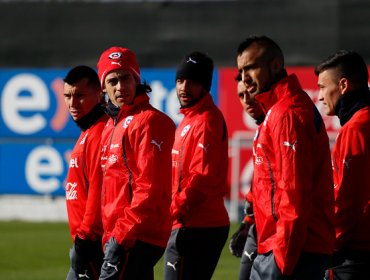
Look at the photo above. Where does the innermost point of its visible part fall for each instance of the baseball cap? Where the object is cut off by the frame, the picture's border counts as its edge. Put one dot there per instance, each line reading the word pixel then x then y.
pixel 116 58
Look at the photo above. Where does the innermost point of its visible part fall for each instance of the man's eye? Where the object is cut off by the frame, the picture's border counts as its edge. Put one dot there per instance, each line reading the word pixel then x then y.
pixel 113 81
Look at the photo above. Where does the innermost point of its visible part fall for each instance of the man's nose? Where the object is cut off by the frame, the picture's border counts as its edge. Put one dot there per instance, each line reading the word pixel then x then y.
pixel 246 97
pixel 185 85
pixel 320 96
pixel 245 77
pixel 119 84
pixel 74 101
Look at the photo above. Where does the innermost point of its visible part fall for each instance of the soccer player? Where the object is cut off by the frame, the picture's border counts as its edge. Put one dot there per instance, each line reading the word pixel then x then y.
pixel 243 243
pixel 199 178
pixel 136 159
pixel 343 90
pixel 83 97
pixel 293 199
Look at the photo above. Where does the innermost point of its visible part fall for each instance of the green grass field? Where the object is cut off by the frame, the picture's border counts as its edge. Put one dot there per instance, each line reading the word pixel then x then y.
pixel 39 251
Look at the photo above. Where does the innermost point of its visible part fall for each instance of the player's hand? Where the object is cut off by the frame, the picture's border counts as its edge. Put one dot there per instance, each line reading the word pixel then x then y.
pixel 237 241
pixel 86 248
pixel 114 254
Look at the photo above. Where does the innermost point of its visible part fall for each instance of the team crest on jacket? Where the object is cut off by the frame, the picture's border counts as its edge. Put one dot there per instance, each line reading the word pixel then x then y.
pixel 185 130
pixel 127 121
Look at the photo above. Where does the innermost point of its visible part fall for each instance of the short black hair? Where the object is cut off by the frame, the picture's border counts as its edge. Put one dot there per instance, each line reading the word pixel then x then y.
pixel 349 64
pixel 270 46
pixel 81 72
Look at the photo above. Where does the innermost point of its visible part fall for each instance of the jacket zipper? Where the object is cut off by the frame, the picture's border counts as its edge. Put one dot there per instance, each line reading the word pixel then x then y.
pixel 84 174
pixel 125 161
pixel 272 185
pixel 180 168
pixel 128 169
pixel 181 220
pixel 105 166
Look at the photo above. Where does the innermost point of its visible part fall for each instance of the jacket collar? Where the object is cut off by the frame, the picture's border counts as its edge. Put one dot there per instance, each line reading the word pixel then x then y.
pixel 90 118
pixel 140 99
pixel 202 104
pixel 115 112
pixel 111 109
pixel 286 86
pixel 349 103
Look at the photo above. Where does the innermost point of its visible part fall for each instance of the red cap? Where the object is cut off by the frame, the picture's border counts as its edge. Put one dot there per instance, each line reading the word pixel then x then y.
pixel 117 58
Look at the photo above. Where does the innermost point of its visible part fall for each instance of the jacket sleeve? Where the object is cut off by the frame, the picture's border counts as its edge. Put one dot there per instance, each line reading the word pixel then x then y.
pixel 248 209
pixel 293 150
pixel 350 161
pixel 152 143
pixel 91 226
pixel 207 163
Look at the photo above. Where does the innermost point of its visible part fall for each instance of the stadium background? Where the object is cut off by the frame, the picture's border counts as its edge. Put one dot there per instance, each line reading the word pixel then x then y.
pixel 41 40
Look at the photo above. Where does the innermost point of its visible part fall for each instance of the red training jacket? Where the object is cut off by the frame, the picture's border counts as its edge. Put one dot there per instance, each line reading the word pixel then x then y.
pixel 351 164
pixel 83 184
pixel 199 167
pixel 136 159
pixel 293 196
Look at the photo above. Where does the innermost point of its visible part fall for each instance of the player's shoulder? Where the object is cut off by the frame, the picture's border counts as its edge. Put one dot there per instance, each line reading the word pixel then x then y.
pixel 153 115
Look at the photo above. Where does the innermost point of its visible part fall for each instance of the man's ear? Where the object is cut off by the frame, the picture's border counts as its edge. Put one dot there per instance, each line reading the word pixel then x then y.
pixel 344 86
pixel 276 65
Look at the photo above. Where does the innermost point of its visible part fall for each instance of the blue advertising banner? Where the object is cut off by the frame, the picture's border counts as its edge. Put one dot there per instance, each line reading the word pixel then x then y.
pixel 34 168
pixel 37 133
pixel 32 104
